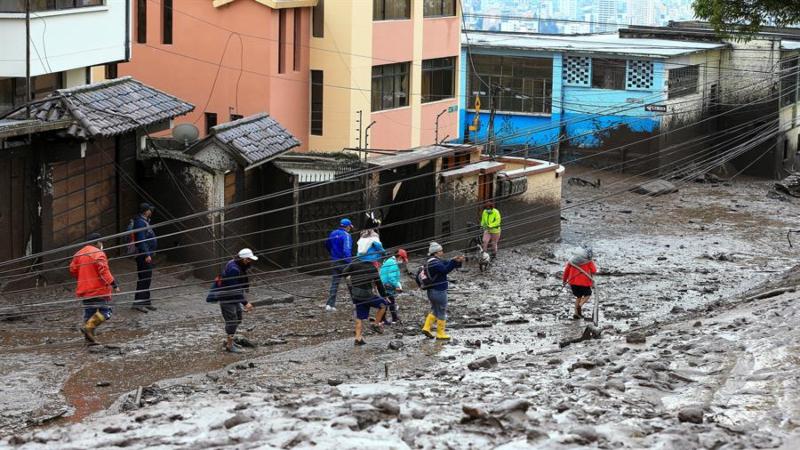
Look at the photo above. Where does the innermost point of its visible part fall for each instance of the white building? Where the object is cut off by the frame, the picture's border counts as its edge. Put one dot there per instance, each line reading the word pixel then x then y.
pixel 67 38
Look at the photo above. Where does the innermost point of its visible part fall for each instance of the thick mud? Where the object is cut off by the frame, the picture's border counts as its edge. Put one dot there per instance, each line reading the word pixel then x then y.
pixel 677 271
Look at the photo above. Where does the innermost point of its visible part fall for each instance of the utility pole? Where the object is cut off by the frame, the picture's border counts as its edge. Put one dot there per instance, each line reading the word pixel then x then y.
pixel 28 59
pixel 490 130
pixel 436 139
pixel 366 137
pixel 359 113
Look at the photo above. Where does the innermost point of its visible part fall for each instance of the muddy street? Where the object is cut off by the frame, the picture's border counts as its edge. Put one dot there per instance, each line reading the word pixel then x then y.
pixel 690 356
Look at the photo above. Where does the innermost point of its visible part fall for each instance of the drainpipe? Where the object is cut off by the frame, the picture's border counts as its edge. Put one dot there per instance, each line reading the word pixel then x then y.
pixel 28 61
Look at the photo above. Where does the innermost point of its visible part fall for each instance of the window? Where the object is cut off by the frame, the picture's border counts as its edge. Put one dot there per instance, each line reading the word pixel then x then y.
pixel 211 121
pixel 281 40
pixel 141 21
pixel 389 86
pixel 166 19
pixel 13 91
pixel 236 117
pixel 527 83
pixel 788 81
pixel 608 73
pixel 391 9
pixel 111 71
pixel 318 18
pixel 230 188
pixel 438 79
pixel 433 8
pixel 296 41
pixel 316 102
pixel 682 81
pixel 18 6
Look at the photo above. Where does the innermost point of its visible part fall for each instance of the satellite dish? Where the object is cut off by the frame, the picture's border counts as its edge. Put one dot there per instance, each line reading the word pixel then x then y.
pixel 185 133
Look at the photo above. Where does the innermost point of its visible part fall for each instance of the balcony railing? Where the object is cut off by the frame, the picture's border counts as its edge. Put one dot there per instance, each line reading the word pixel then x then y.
pixel 18 6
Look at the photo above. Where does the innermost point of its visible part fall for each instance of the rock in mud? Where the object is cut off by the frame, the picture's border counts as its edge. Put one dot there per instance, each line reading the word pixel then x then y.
pixel 334 381
pixel 103 384
pixel 511 405
pixel 244 342
pixel 691 414
pixel 483 363
pixel 473 412
pixel 396 344
pixel 236 420
pixel 655 188
pixel 387 406
pixel 635 338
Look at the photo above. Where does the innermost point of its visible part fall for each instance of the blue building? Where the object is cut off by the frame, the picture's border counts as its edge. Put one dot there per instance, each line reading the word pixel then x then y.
pixel 588 89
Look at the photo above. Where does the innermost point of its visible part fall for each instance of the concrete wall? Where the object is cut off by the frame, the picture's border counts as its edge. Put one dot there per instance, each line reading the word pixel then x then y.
pixel 64 40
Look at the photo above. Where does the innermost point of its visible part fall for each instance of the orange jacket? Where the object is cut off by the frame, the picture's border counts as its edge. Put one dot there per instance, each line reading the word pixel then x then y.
pixel 90 267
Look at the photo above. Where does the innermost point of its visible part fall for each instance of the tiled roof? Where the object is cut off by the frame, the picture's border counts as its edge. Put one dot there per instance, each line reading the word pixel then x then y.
pixel 255 138
pixel 109 108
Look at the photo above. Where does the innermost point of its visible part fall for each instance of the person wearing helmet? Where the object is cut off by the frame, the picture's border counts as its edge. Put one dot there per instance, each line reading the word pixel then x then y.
pixel 390 276
pixel 229 290
pixel 579 274
pixel 340 246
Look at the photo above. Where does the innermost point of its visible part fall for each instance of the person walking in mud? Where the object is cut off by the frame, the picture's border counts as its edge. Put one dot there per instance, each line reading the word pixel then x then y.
pixel 490 222
pixel 364 280
pixel 95 283
pixel 390 277
pixel 436 270
pixel 146 244
pixel 229 290
pixel 579 274
pixel 340 246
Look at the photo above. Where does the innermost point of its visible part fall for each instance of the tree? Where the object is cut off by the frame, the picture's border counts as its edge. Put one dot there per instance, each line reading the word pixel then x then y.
pixel 747 16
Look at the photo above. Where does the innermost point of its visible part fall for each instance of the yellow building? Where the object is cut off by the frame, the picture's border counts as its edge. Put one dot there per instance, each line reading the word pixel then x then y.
pixel 383 73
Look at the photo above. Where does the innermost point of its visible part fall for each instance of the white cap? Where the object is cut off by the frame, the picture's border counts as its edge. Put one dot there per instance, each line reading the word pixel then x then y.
pixel 247 253
pixel 434 248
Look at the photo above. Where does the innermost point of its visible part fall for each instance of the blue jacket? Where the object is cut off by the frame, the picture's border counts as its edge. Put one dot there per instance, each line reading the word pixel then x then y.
pixel 234 283
pixel 390 275
pixel 340 245
pixel 146 243
pixel 370 249
pixel 438 270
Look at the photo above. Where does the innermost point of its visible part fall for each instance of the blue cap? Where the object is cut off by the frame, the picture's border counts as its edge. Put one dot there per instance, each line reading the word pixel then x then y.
pixel 345 223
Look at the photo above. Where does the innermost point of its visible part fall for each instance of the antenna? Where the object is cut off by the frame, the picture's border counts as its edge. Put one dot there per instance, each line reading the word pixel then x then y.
pixel 186 133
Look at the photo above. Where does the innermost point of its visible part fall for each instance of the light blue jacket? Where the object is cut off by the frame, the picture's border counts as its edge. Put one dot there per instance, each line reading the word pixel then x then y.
pixel 390 273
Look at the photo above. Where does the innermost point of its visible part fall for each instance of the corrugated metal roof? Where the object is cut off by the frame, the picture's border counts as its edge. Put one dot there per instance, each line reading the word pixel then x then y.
pixel 590 43
pixel 790 45
pixel 108 108
pixel 255 138
pixel 413 156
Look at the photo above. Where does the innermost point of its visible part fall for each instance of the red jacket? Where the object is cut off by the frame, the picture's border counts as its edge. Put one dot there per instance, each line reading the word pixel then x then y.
pixel 90 267
pixel 575 277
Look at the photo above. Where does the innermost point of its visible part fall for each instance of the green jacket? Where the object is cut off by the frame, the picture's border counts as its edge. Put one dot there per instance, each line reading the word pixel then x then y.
pixel 490 221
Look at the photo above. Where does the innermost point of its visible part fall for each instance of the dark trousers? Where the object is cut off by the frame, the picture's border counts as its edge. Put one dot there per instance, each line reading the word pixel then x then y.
pixel 393 308
pixel 145 273
pixel 232 315
pixel 336 277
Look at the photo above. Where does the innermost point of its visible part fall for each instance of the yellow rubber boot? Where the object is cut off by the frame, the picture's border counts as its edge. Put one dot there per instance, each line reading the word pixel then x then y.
pixel 91 324
pixel 440 334
pixel 426 329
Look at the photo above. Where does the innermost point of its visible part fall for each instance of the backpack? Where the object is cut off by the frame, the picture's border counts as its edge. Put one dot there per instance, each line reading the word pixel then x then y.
pixel 422 277
pixel 130 247
pixel 213 293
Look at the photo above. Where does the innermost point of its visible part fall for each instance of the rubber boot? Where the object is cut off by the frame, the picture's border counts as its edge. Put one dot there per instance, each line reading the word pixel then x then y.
pixel 426 329
pixel 440 334
pixel 89 327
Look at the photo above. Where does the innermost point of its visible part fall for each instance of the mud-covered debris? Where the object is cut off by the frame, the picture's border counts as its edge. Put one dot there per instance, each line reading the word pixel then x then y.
pixel 692 414
pixel 655 188
pixel 473 343
pixel 583 364
pixel 396 344
pixel 509 406
pixel 473 412
pixel 273 300
pixel 483 363
pixel 587 435
pixel 516 321
pixel 387 406
pixel 274 341
pixel 334 381
pixel 112 430
pixel 718 257
pixel 789 185
pixel 636 337
pixel 577 181
pixel 244 342
pixel 236 420
pixel 103 383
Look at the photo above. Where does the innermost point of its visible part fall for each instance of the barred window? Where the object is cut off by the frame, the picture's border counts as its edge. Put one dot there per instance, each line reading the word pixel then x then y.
pixel 390 86
pixel 608 73
pixel 682 81
pixel 438 79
